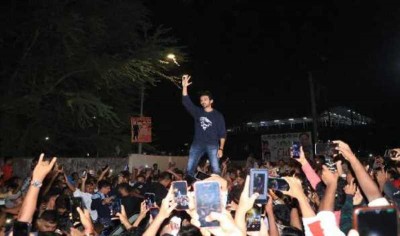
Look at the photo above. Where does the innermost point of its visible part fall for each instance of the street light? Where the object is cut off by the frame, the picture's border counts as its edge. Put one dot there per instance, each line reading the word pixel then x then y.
pixel 172 57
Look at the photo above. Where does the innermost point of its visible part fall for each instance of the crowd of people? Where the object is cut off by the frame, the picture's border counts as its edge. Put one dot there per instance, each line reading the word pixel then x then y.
pixel 313 196
pixel 319 201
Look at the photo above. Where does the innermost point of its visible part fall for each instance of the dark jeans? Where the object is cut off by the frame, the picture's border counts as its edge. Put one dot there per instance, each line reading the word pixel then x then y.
pixel 197 151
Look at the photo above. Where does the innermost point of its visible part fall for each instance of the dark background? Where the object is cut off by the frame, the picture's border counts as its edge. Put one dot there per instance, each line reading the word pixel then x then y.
pixel 255 58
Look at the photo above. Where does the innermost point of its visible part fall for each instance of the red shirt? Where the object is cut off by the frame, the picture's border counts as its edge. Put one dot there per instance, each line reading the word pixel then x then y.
pixel 7 172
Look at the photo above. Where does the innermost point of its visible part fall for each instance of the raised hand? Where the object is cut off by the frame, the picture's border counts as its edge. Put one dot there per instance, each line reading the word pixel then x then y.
pixel 42 168
pixel 302 159
pixel 351 188
pixel 295 188
pixel 185 80
pixel 328 177
pixel 395 154
pixel 86 220
pixel 344 149
pixel 122 216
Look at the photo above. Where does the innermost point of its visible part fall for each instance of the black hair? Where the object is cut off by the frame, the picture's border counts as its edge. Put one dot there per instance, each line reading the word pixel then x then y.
pixel 125 186
pixel 234 194
pixel 291 231
pixel 103 183
pixel 282 213
pixel 206 93
pixel 189 230
pixel 164 176
pixel 49 216
pixel 62 202
pixel 306 134
pixel 340 195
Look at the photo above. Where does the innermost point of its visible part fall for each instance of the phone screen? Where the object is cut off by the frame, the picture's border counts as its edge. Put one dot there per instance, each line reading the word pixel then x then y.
pixel 258 184
pixel 326 149
pixel 296 149
pixel 150 200
pixel 76 202
pixel 180 195
pixel 154 212
pixel 21 228
pixel 253 218
pixel 208 199
pixel 278 184
pixel 376 221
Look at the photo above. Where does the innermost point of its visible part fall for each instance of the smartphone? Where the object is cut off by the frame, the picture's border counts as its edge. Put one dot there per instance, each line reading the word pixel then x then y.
pixel 376 220
pixel 208 199
pixel 154 212
pixel 116 207
pixel 326 149
pixel 253 218
pixel 76 202
pixel 201 175
pixel 150 200
pixel 180 195
pixel 84 174
pixel 278 184
pixel 258 184
pixel 21 228
pixel 296 149
pixel 330 164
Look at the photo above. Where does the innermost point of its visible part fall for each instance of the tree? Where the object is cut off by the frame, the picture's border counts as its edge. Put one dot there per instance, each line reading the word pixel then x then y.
pixel 72 71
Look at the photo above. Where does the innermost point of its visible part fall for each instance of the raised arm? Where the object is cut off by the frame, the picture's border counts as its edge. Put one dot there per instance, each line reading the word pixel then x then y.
pixel 39 173
pixel 366 183
pixel 245 204
pixel 103 174
pixel 70 186
pixel 330 179
pixel 185 84
pixel 167 206
pixel 186 101
pixel 307 169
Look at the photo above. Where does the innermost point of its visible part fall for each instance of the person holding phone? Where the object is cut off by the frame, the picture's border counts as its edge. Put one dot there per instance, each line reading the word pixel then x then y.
pixel 102 203
pixel 210 131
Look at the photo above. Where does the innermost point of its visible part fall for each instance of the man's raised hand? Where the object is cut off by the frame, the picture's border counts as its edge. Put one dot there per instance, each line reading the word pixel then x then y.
pixel 185 80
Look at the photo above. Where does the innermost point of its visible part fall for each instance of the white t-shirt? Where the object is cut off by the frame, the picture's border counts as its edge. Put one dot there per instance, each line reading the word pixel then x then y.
pixel 87 199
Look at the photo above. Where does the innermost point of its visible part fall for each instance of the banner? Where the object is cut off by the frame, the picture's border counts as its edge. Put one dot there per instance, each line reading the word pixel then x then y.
pixel 276 147
pixel 141 129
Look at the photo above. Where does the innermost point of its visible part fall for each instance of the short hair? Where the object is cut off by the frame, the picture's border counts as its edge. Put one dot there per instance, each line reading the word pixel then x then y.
pixel 282 213
pixel 164 176
pixel 189 230
pixel 62 202
pixel 124 186
pixel 206 93
pixel 103 184
pixel 49 216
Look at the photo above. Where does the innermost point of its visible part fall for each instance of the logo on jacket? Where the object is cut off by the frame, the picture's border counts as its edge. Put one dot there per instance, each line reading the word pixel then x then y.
pixel 205 122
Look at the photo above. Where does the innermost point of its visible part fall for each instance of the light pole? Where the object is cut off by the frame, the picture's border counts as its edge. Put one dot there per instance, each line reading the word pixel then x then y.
pixel 172 57
pixel 141 115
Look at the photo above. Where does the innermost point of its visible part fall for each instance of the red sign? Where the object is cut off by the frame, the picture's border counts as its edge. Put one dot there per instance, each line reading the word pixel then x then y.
pixel 141 129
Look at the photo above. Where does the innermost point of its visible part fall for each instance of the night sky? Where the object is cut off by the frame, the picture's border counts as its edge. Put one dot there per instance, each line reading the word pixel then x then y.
pixel 255 58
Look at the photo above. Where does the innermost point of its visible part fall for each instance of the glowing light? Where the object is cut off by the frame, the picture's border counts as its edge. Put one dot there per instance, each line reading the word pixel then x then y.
pixel 276 121
pixel 172 57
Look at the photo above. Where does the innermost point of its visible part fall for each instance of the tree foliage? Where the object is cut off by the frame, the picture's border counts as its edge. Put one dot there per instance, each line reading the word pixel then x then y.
pixel 73 70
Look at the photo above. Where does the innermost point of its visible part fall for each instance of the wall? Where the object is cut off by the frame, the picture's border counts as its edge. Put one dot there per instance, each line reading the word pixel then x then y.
pixel 72 164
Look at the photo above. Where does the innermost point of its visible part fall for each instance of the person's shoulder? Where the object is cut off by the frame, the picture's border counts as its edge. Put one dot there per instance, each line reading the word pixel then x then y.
pixel 96 196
